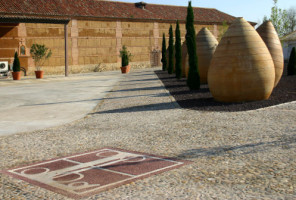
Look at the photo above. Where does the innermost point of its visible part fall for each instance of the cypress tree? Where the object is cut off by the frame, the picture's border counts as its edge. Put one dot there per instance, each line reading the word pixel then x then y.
pixel 16 63
pixel 178 54
pixel 171 51
pixel 193 80
pixel 163 51
pixel 292 63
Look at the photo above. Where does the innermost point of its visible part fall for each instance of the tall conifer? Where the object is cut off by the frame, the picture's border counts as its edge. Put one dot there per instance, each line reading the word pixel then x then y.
pixel 16 63
pixel 193 80
pixel 163 51
pixel 178 54
pixel 171 51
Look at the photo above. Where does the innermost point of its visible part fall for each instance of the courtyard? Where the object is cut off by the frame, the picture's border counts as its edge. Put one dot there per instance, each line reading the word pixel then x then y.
pixel 234 155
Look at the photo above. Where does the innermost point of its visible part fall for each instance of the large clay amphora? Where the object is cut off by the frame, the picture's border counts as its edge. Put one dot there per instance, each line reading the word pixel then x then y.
pixel 206 44
pixel 273 43
pixel 242 68
pixel 185 62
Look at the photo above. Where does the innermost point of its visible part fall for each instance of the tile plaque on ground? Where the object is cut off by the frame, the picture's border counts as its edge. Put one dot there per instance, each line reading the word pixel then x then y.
pixel 86 174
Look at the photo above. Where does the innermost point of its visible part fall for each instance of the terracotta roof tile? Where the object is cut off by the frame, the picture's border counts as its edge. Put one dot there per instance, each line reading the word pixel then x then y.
pixel 107 9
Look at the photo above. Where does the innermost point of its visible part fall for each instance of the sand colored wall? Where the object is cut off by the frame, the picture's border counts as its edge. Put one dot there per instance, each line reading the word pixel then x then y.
pixel 139 39
pixel 52 36
pixel 9 41
pixel 92 45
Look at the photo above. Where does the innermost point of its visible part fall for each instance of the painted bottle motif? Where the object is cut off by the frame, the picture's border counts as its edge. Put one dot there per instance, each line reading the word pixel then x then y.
pixel 242 68
pixel 273 43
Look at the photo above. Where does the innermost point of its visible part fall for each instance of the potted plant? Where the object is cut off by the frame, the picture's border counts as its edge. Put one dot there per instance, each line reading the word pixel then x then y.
pixel 125 57
pixel 16 74
pixel 40 53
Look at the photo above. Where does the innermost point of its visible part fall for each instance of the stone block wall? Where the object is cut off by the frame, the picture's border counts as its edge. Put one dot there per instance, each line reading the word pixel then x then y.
pixel 92 45
pixel 9 41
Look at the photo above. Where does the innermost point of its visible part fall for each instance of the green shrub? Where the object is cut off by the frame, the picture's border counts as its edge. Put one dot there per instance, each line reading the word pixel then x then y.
pixel 125 56
pixel 163 51
pixel 16 63
pixel 193 80
pixel 292 63
pixel 178 54
pixel 40 53
pixel 171 51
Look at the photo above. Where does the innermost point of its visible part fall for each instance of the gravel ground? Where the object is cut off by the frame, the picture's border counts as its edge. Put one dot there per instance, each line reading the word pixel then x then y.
pixel 236 155
pixel 203 100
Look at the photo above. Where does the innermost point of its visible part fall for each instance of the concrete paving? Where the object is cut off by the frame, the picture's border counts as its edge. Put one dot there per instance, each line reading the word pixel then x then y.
pixel 31 104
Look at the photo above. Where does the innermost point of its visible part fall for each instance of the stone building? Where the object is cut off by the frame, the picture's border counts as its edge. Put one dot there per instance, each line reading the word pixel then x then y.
pixel 86 35
pixel 288 42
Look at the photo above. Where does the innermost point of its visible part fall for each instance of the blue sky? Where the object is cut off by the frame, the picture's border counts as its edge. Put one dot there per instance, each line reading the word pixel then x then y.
pixel 251 10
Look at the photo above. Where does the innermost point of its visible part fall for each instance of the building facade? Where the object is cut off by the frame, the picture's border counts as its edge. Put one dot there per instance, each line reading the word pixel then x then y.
pixel 95 31
pixel 288 42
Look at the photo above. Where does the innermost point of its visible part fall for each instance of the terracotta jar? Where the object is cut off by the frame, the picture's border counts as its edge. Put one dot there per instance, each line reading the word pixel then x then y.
pixel 242 68
pixel 273 43
pixel 206 44
pixel 185 62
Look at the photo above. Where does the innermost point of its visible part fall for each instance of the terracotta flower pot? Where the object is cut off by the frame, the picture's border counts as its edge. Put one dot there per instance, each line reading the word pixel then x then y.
pixel 273 43
pixel 125 69
pixel 16 75
pixel 242 68
pixel 206 44
pixel 39 74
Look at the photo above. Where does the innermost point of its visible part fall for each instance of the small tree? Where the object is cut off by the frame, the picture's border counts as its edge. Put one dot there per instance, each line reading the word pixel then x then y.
pixel 292 63
pixel 40 53
pixel 178 54
pixel 16 63
pixel 125 56
pixel 163 51
pixel 193 80
pixel 279 19
pixel 171 51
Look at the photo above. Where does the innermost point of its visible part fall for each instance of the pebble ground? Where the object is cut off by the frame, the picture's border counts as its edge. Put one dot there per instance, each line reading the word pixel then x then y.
pixel 236 155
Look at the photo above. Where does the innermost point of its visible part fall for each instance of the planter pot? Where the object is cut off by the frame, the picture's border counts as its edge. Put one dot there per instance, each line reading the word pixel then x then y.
pixel 39 74
pixel 125 69
pixel 16 75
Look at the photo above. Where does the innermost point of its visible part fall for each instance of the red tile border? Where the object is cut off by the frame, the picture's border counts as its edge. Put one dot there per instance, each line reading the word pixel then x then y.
pixel 85 174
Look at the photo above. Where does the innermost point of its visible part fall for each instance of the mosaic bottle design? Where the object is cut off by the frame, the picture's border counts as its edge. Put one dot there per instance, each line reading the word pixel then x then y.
pixel 242 68
pixel 273 43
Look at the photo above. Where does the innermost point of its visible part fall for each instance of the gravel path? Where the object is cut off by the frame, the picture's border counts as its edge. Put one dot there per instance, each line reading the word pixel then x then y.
pixel 236 155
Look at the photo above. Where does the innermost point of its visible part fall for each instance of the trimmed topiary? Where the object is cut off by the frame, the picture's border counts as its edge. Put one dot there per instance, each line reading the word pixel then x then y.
pixel 171 51
pixel 125 56
pixel 292 63
pixel 16 63
pixel 163 51
pixel 178 54
pixel 193 80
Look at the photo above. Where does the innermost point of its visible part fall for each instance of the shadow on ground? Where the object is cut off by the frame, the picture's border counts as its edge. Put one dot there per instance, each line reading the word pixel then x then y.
pixel 203 100
pixel 285 142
